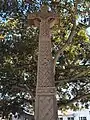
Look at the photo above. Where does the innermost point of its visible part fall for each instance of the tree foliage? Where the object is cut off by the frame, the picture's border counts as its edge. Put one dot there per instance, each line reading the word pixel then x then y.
pixel 19 51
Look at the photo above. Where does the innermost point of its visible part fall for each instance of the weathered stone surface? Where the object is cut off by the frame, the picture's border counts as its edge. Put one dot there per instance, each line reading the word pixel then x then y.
pixel 45 107
pixel 46 91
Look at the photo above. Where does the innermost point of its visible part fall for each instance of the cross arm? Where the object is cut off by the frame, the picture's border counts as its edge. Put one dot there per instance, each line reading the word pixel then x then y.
pixel 53 19
pixel 32 18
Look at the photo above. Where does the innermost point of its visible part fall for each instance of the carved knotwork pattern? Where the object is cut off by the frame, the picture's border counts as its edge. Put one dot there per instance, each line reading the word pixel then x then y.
pixel 46 108
pixel 45 92
pixel 44 30
pixel 45 65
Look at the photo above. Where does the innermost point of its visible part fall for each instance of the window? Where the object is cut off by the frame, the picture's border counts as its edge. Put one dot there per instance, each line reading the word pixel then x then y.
pixel 82 118
pixel 70 118
pixel 60 118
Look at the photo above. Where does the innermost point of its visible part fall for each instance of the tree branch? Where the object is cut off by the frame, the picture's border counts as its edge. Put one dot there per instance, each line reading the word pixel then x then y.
pixel 69 40
pixel 75 99
pixel 75 77
pixel 29 92
pixel 24 89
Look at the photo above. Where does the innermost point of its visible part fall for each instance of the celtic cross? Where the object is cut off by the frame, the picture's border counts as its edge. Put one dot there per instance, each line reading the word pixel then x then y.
pixel 45 105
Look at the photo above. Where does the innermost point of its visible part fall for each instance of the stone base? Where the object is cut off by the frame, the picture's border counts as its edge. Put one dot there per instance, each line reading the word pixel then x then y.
pixel 46 108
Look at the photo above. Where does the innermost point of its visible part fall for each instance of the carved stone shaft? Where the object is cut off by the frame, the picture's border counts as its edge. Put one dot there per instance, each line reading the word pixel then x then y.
pixel 45 106
pixel 45 93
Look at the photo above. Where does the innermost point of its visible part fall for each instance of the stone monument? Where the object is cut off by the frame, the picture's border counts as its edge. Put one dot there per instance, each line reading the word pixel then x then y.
pixel 45 105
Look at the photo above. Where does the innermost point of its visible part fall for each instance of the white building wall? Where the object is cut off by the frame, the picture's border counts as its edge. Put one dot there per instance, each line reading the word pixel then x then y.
pixel 64 117
pixel 75 114
pixel 83 113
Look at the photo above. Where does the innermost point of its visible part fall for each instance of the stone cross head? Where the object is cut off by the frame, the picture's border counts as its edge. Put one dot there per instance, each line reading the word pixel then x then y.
pixel 43 14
